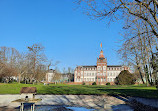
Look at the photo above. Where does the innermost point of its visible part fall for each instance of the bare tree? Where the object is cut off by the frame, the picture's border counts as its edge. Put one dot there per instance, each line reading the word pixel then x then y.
pixel 144 10
pixel 27 66
pixel 57 77
pixel 139 48
pixel 8 60
pixel 37 57
pixel 22 66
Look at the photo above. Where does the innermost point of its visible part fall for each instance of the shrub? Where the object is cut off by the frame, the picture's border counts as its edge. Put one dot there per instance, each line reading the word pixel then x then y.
pixel 94 83
pixel 108 83
pixel 1 80
pixel 156 83
pixel 125 78
pixel 83 83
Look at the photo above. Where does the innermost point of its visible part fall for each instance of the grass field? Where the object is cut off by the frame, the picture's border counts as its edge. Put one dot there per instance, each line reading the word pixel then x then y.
pixel 59 89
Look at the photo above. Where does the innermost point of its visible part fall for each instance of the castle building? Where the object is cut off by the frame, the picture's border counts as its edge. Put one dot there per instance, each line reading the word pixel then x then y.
pixel 101 73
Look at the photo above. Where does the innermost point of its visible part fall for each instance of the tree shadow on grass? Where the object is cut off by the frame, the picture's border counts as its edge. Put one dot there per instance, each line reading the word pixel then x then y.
pixel 145 93
pixel 129 97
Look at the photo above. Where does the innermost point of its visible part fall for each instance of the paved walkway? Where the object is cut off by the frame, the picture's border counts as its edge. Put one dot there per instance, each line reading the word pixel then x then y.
pixel 100 103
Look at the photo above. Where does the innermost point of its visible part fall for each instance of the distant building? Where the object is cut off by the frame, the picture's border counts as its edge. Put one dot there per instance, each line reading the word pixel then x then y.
pixel 50 75
pixel 100 73
pixel 68 77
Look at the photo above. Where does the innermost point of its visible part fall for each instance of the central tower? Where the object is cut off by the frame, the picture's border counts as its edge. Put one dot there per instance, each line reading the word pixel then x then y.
pixel 101 68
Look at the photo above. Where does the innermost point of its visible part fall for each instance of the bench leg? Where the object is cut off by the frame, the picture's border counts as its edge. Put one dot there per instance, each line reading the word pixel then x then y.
pixel 22 107
pixel 33 107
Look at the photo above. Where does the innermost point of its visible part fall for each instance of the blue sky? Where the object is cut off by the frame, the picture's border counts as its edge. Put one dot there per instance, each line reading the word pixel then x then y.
pixel 67 34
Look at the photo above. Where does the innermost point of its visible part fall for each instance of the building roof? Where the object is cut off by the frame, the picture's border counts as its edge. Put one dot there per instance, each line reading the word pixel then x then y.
pixel 28 90
pixel 90 66
pixel 114 66
pixel 51 71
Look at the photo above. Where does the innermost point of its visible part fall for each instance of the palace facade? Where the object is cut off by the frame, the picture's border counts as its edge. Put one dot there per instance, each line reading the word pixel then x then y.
pixel 101 73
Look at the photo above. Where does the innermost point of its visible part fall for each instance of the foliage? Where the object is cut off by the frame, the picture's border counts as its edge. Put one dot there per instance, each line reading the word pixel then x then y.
pixel 108 83
pixel 125 78
pixel 94 83
pixel 83 83
pixel 156 84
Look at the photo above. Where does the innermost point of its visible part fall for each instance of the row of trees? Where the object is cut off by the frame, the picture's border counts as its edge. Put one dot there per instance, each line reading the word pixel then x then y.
pixel 140 32
pixel 28 67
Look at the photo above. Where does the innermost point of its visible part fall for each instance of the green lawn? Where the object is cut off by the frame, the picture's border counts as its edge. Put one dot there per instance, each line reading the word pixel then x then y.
pixel 59 89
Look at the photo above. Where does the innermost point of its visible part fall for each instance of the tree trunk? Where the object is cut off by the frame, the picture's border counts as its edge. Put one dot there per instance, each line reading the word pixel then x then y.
pixel 141 75
pixel 19 78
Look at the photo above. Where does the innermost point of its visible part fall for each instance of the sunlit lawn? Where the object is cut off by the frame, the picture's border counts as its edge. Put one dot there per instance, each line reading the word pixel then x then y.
pixel 59 89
